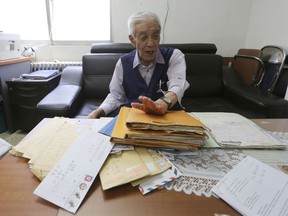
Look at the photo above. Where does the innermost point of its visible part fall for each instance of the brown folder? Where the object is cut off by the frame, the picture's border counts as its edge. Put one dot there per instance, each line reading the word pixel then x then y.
pixel 190 140
pixel 172 121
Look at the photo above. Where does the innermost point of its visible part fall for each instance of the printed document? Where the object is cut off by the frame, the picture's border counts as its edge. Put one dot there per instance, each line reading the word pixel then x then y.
pixel 255 188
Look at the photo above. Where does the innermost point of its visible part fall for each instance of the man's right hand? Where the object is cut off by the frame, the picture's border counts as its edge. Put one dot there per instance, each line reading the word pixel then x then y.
pixel 149 106
pixel 96 114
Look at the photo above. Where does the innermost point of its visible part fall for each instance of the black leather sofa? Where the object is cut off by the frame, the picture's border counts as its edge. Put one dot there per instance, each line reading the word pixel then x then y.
pixel 213 87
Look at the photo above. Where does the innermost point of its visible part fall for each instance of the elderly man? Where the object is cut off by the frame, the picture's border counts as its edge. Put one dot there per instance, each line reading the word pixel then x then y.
pixel 150 78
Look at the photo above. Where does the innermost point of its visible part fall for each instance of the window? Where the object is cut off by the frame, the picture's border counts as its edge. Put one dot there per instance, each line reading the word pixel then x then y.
pixel 27 18
pixel 80 20
pixel 57 20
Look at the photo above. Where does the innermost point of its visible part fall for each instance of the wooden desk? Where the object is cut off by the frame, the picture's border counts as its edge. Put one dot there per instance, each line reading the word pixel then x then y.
pixel 15 60
pixel 17 184
pixel 280 125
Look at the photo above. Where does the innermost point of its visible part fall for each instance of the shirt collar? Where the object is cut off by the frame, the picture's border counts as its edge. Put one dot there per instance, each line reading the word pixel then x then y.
pixel 159 59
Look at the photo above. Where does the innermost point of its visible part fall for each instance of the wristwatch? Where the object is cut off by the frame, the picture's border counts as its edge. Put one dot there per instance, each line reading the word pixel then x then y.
pixel 167 101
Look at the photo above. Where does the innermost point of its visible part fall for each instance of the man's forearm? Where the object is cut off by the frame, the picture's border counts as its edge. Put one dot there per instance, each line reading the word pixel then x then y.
pixel 172 96
pixel 96 113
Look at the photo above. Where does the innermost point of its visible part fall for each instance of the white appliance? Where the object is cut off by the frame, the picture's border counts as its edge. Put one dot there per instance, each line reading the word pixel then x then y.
pixel 9 46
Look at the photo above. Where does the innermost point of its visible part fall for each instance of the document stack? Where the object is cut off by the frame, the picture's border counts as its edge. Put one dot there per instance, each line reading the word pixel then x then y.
pixel 175 129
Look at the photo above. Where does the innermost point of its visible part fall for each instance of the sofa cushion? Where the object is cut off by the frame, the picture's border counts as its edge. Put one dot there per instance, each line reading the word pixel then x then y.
pixel 87 107
pixel 98 69
pixel 217 104
pixel 60 101
pixel 72 75
pixel 59 94
pixel 127 47
pixel 204 74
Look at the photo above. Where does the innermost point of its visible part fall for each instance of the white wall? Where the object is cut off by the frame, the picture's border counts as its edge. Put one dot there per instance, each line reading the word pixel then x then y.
pixel 268 24
pixel 223 22
pixel 61 53
pixel 230 24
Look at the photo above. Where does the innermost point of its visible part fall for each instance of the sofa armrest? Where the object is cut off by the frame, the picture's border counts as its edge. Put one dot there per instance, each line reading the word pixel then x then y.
pixel 253 98
pixel 66 98
pixel 62 101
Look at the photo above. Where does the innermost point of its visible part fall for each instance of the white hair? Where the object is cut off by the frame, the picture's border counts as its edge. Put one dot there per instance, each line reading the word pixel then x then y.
pixel 141 17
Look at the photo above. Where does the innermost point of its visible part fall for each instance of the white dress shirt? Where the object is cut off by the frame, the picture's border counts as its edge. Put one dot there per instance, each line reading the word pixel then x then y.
pixel 176 79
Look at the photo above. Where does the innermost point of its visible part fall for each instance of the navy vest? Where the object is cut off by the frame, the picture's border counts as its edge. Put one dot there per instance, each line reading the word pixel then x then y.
pixel 133 83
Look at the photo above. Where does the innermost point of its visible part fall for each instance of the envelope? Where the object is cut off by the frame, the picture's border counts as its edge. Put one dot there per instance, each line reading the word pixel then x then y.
pixel 123 168
pixel 155 163
pixel 158 180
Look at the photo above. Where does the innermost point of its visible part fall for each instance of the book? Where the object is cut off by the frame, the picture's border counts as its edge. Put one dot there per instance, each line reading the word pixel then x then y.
pixel 40 74
pixel 189 138
pixel 232 130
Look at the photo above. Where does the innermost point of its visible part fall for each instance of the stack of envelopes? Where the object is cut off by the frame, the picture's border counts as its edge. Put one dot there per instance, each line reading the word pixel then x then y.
pixel 175 129
pixel 138 167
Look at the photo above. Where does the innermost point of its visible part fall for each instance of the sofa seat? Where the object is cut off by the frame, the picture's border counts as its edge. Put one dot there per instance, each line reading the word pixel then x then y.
pixel 219 104
pixel 64 96
pixel 87 107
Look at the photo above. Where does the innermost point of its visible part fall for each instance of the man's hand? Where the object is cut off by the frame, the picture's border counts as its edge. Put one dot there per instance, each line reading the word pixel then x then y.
pixel 96 114
pixel 149 106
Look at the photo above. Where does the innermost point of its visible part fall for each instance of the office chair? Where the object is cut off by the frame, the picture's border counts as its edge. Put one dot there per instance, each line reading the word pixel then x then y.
pixel 249 66
pixel 273 58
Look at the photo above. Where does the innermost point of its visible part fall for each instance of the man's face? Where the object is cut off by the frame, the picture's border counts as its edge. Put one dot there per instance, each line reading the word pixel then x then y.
pixel 146 41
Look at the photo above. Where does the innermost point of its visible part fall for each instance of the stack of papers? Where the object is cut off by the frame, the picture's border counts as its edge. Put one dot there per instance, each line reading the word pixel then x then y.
pixel 145 168
pixel 66 155
pixel 176 129
pixel 45 145
pixel 232 130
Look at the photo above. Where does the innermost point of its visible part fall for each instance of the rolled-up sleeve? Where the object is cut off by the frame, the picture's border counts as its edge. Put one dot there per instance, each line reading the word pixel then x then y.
pixel 177 74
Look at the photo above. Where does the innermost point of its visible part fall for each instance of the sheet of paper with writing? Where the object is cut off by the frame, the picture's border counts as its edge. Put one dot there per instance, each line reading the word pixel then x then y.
pixel 70 179
pixel 254 188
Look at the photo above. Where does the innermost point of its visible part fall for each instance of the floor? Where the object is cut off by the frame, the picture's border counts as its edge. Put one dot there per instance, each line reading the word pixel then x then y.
pixel 13 138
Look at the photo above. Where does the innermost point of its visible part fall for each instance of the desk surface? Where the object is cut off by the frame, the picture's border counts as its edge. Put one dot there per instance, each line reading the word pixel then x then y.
pixel 17 184
pixel 14 60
